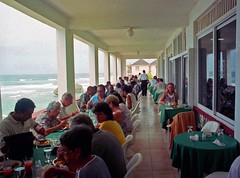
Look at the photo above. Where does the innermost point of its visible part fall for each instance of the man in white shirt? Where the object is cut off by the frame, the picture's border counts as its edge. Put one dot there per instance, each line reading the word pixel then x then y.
pixel 144 82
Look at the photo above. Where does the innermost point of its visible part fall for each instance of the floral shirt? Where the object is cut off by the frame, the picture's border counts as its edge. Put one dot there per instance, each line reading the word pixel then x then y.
pixel 44 120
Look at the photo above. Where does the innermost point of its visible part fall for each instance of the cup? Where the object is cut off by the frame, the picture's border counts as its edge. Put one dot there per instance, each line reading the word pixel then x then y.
pixel 7 169
pixel 37 169
pixel 19 172
pixel 28 166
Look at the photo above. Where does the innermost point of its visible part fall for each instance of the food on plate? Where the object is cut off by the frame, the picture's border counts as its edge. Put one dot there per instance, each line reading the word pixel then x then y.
pixel 42 142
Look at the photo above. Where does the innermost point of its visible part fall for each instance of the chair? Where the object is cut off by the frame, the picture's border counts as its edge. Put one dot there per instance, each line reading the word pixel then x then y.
pixel 211 126
pixel 234 171
pixel 136 109
pixel 129 152
pixel 134 117
pixel 180 123
pixel 125 146
pixel 132 164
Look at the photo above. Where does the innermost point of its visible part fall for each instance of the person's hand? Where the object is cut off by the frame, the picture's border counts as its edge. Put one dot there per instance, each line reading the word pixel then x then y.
pixel 50 172
pixel 40 130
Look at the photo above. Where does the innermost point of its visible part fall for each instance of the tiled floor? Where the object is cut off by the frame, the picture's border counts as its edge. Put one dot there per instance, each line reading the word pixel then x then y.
pixel 151 141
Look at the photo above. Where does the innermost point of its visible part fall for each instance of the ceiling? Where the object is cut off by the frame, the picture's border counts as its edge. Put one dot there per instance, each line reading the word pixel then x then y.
pixel 153 22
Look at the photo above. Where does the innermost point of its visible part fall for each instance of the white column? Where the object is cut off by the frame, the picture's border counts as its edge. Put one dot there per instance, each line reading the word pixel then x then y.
pixel 114 64
pixel 93 65
pixel 106 67
pixel 65 62
pixel 123 67
pixel 119 71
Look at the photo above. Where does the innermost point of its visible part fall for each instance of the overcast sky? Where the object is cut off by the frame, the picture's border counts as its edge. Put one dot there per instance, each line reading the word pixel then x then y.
pixel 28 46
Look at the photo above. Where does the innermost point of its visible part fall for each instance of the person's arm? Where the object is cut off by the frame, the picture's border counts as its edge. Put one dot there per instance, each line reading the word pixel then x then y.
pixel 129 102
pixel 117 116
pixel 56 127
pixel 162 99
pixel 52 171
pixel 89 103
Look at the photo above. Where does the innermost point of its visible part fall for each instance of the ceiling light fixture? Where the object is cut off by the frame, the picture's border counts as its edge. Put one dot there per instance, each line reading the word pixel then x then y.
pixel 130 32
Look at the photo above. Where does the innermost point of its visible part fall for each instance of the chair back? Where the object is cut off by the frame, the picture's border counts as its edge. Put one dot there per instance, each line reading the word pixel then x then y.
pixel 134 117
pixel 136 109
pixel 180 123
pixel 133 133
pixel 125 145
pixel 211 126
pixel 132 164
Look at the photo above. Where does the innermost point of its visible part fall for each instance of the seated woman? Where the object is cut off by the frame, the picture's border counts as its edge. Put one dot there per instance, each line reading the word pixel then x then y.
pixel 76 148
pixel 48 119
pixel 119 115
pixel 131 99
pixel 105 120
pixel 169 96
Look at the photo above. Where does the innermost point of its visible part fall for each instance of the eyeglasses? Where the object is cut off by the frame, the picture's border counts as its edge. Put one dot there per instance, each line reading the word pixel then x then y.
pixel 100 91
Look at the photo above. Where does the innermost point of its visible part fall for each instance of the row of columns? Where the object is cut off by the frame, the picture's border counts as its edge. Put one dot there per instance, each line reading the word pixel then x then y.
pixel 65 63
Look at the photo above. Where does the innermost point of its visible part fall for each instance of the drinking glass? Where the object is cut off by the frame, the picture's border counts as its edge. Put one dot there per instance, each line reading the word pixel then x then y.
pixel 19 172
pixel 190 130
pixel 7 168
pixel 221 135
pixel 47 153
pixel 28 166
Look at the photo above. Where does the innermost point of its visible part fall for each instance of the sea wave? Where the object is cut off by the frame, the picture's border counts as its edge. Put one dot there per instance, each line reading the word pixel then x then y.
pixel 31 86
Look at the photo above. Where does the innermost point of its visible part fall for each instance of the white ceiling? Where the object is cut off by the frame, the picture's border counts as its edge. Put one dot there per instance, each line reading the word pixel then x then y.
pixel 153 21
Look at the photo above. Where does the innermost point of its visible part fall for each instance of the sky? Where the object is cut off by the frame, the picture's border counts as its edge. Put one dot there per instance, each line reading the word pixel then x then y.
pixel 28 46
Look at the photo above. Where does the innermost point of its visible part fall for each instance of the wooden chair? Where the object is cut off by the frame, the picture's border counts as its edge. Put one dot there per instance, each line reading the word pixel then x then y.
pixel 180 123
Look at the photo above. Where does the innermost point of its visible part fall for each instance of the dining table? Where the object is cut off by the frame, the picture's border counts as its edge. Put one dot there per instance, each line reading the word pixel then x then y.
pixel 196 158
pixel 168 112
pixel 38 153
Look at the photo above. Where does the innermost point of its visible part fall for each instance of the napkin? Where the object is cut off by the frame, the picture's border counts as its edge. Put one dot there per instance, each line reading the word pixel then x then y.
pixel 218 143
pixel 194 137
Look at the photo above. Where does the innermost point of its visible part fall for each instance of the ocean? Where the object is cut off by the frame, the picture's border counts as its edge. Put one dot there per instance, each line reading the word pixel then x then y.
pixel 38 87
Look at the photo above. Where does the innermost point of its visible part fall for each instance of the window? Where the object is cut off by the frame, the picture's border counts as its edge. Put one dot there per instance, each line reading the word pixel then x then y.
pixel 217 69
pixel 226 62
pixel 205 53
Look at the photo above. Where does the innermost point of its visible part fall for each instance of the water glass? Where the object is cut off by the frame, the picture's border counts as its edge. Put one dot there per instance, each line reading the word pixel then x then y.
pixel 47 153
pixel 19 172
pixel 37 169
pixel 190 131
pixel 221 135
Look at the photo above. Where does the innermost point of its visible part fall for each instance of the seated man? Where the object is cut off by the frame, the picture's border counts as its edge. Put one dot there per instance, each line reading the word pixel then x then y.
pixel 98 97
pixel 67 100
pixel 19 121
pixel 104 145
pixel 84 98
pixel 77 153
pixel 48 118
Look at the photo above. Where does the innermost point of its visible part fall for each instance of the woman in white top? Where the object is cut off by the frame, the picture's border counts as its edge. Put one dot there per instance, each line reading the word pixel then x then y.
pixel 169 96
pixel 131 100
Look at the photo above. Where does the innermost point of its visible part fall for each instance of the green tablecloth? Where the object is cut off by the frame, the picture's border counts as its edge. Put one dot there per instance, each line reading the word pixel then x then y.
pixel 156 95
pixel 151 89
pixel 38 152
pixel 194 158
pixel 168 113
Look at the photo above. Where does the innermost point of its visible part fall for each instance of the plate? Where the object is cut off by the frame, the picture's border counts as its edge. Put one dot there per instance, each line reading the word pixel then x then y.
pixel 15 163
pixel 41 143
pixel 58 162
